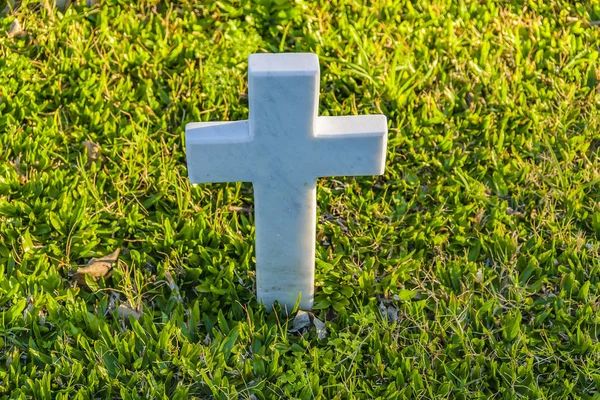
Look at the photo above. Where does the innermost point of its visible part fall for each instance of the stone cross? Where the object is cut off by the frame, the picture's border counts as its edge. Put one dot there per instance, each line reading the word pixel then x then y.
pixel 283 148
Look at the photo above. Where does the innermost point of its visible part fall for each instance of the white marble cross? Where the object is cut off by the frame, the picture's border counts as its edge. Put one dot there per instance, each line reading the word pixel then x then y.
pixel 282 149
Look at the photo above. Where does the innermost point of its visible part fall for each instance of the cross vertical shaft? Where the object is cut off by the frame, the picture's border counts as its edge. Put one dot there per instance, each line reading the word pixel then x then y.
pixel 285 242
pixel 283 108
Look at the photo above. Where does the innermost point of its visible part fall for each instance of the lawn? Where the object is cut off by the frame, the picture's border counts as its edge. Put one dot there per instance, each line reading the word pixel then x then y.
pixel 470 270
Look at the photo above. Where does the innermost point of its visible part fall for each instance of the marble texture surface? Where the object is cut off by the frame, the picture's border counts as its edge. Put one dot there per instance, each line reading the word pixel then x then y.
pixel 282 149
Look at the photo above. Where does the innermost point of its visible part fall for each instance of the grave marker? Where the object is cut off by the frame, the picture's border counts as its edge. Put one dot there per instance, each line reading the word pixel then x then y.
pixel 282 149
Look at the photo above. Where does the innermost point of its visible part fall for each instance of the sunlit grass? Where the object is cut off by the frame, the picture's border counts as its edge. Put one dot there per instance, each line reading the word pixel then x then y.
pixel 469 270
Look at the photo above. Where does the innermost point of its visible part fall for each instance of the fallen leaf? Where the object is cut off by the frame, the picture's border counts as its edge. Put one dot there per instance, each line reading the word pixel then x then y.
pixel 93 151
pixel 114 296
pixel 124 311
pixel 15 29
pixel 110 258
pixel 304 321
pixel 173 286
pixel 382 309
pixel 321 329
pixel 469 97
pixel 97 268
pixel 388 312
pixel 207 339
pixel 392 313
pixel 479 276
pixel 246 210
pixel 20 174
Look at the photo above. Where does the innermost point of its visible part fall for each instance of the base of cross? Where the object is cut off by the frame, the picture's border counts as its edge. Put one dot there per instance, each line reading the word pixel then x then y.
pixel 282 149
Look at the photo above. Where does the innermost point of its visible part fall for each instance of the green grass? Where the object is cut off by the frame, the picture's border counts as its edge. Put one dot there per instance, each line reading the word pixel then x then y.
pixel 471 269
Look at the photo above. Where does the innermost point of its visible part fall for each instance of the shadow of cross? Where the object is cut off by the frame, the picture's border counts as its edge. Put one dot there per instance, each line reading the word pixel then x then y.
pixel 282 149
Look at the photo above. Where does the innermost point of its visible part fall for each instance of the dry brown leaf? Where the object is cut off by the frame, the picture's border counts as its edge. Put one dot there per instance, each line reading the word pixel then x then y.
pixel 246 210
pixel 124 311
pixel 110 258
pixel 469 97
pixel 93 151
pixel 20 174
pixel 15 29
pixel 97 268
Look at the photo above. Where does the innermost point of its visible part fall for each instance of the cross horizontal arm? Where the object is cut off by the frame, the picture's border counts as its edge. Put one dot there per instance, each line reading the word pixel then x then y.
pixel 219 152
pixel 351 145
